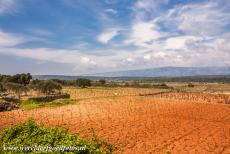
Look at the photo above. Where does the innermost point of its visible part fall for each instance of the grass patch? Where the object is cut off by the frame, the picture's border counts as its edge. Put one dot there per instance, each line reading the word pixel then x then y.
pixel 31 104
pixel 60 102
pixel 30 134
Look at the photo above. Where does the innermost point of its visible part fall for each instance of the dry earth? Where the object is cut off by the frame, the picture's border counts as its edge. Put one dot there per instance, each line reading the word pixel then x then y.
pixel 140 124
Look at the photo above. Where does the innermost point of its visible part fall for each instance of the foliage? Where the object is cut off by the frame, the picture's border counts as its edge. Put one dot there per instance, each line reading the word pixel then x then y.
pixel 49 97
pixel 23 78
pixel 31 134
pixel 32 104
pixel 190 85
pixel 2 89
pixel 82 82
pixel 28 104
pixel 59 102
pixel 11 99
pixel 16 88
pixel 5 78
pixel 102 82
pixel 6 106
pixel 46 87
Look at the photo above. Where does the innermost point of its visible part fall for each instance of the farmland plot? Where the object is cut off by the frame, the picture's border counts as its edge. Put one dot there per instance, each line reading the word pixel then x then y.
pixel 138 124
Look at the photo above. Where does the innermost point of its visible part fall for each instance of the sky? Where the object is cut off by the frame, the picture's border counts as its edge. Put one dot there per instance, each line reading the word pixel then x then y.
pixel 76 37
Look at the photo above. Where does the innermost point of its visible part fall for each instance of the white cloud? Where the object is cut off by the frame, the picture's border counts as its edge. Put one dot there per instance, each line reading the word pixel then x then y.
pixel 7 40
pixel 130 59
pixel 7 6
pixel 87 60
pixel 147 57
pixel 108 34
pixel 186 35
pixel 111 11
pixel 205 18
pixel 149 5
pixel 143 33
pixel 151 8
pixel 180 42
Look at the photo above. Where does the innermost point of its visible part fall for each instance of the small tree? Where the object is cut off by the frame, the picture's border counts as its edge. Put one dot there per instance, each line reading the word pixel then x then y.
pixel 163 85
pixel 16 88
pixel 47 87
pixel 82 82
pixel 5 78
pixel 1 88
pixel 102 81
pixel 21 78
pixel 190 85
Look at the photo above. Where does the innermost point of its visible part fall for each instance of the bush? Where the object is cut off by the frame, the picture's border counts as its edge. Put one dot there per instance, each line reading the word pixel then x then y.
pixel 2 89
pixel 28 104
pixel 31 134
pixel 163 85
pixel 102 82
pixel 190 85
pixel 82 82
pixel 17 88
pixel 23 78
pixel 6 106
pixel 49 98
pixel 46 87
pixel 11 99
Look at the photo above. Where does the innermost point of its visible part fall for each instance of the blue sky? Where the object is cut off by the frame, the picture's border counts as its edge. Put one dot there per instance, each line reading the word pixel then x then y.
pixel 74 37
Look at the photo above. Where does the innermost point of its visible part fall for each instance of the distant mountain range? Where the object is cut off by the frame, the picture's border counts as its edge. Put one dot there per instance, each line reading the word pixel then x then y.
pixel 165 72
pixel 168 72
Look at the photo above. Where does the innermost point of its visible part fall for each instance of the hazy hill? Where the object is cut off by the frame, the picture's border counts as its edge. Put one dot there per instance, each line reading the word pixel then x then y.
pixel 169 72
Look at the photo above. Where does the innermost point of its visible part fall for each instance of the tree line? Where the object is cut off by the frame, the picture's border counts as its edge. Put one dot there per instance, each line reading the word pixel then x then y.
pixel 22 83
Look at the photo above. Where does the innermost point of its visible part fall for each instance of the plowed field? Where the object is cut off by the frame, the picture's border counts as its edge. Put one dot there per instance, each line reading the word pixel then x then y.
pixel 140 125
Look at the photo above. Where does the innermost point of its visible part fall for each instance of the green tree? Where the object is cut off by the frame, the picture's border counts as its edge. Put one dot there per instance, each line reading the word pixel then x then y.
pixel 82 82
pixel 47 86
pixel 190 85
pixel 16 88
pixel 2 89
pixel 5 78
pixel 102 81
pixel 23 78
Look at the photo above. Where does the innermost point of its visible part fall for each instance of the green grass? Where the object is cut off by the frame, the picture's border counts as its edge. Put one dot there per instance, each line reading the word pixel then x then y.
pixel 30 104
pixel 30 134
pixel 63 102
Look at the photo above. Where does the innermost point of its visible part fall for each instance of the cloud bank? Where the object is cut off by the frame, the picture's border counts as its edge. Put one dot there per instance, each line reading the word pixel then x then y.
pixel 144 34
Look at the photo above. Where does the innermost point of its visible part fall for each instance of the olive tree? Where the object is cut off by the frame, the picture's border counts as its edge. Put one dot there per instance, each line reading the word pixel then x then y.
pixel 16 88
pixel 47 87
pixel 82 82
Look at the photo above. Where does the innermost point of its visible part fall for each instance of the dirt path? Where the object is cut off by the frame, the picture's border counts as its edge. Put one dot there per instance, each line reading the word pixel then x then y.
pixel 140 124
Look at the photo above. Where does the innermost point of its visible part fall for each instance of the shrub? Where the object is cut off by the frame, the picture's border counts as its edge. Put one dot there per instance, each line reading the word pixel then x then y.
pixel 82 82
pixel 47 86
pixel 28 104
pixel 23 78
pixel 2 89
pixel 190 85
pixel 102 82
pixel 17 88
pixel 163 85
pixel 11 99
pixel 30 134
pixel 6 106
pixel 49 98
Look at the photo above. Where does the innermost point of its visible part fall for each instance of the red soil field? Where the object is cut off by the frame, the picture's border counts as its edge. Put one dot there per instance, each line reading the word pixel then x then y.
pixel 140 125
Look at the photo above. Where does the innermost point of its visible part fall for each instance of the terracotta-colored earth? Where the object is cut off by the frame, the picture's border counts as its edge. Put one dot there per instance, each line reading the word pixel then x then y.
pixel 140 125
